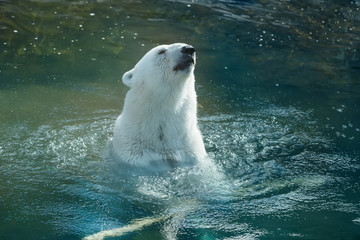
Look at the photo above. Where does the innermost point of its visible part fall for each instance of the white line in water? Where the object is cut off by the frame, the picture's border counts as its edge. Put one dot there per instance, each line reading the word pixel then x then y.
pixel 138 224
pixel 134 226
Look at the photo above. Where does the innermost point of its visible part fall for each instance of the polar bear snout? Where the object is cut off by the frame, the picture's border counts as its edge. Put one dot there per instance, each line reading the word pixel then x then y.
pixel 187 58
pixel 188 50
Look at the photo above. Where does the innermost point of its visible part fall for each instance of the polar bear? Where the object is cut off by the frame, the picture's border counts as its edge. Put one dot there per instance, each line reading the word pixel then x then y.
pixel 158 125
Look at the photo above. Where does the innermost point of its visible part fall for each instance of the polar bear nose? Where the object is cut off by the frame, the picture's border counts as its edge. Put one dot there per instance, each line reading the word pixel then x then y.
pixel 188 50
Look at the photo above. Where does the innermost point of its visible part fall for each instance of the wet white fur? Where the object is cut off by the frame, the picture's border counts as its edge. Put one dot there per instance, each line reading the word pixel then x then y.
pixel 158 124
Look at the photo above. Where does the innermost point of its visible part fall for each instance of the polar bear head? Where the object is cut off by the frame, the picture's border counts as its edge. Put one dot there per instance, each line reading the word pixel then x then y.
pixel 164 65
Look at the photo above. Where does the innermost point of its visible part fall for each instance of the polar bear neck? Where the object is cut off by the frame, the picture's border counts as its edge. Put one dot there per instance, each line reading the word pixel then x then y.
pixel 157 118
pixel 168 97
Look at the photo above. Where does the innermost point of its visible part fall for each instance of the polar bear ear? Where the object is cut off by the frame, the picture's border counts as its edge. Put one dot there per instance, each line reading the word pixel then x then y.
pixel 128 79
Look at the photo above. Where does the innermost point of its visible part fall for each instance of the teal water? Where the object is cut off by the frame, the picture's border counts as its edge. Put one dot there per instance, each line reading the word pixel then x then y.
pixel 278 86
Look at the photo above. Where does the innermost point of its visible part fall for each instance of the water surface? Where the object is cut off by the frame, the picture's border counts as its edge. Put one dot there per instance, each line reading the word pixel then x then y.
pixel 278 91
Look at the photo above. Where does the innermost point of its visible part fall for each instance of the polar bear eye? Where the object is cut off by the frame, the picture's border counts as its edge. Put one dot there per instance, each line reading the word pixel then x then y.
pixel 162 51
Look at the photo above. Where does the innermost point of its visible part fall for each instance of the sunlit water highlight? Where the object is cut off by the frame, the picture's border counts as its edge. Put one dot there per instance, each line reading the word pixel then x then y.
pixel 278 93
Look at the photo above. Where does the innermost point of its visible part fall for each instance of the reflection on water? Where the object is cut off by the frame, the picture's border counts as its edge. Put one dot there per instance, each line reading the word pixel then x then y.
pixel 278 88
pixel 82 35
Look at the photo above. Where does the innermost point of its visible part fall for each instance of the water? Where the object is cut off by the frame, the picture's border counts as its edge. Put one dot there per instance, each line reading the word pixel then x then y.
pixel 278 91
